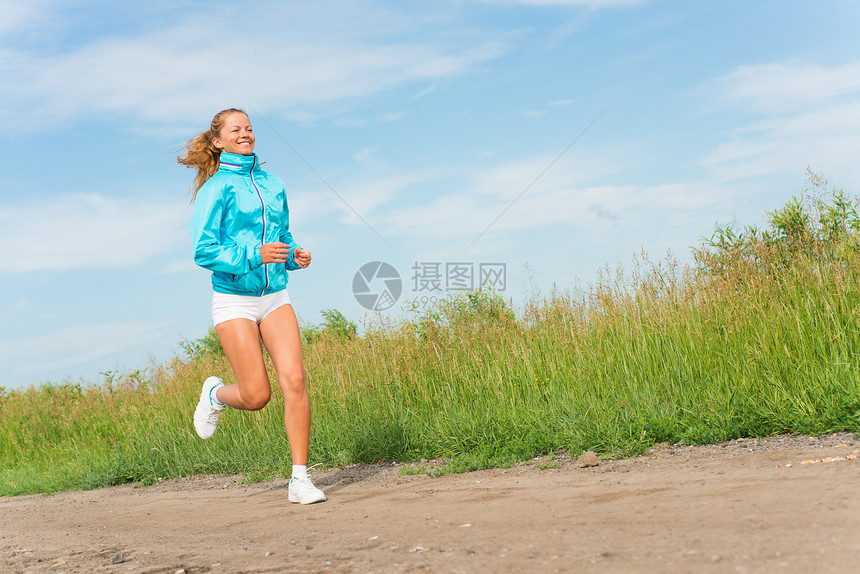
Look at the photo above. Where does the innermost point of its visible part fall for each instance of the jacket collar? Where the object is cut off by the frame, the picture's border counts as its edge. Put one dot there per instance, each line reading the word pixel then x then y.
pixel 239 163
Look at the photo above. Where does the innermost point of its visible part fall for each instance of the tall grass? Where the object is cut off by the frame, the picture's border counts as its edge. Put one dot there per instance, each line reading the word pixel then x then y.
pixel 760 335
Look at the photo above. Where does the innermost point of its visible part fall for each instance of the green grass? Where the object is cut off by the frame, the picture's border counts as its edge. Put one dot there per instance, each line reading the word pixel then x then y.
pixel 759 336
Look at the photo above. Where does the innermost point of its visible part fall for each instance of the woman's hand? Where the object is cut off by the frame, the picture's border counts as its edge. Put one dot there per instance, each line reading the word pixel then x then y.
pixel 302 257
pixel 276 252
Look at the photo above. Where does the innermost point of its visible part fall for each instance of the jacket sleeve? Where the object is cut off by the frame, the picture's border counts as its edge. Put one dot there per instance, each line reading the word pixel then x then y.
pixel 287 237
pixel 211 250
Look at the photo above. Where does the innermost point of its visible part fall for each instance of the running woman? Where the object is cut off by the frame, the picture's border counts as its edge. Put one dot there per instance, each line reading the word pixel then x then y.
pixel 241 233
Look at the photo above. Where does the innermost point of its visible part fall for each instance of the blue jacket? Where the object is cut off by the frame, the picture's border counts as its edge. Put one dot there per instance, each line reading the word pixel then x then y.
pixel 236 211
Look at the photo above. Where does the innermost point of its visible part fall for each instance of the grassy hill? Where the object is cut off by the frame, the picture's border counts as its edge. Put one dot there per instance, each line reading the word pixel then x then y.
pixel 760 335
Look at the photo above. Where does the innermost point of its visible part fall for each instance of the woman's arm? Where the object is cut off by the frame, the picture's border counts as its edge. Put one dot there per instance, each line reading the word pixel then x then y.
pixel 286 237
pixel 211 250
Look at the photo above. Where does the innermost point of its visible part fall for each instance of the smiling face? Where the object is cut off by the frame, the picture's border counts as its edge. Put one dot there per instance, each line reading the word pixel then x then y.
pixel 236 135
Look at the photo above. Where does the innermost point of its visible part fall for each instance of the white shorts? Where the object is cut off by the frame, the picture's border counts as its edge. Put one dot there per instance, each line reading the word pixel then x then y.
pixel 226 306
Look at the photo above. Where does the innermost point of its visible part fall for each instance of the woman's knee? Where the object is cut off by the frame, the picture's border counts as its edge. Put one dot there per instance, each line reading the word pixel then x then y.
pixel 257 404
pixel 293 381
pixel 257 399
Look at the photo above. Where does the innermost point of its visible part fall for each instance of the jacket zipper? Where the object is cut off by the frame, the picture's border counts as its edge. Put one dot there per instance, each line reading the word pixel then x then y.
pixel 263 239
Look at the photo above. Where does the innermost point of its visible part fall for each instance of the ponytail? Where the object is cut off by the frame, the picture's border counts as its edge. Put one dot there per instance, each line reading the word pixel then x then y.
pixel 202 154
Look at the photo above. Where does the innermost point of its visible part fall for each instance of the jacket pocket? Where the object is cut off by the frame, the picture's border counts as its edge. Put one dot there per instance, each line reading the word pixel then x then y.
pixel 250 283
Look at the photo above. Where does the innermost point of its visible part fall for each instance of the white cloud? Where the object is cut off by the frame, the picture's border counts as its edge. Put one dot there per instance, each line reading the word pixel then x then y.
pixel 20 14
pixel 824 139
pixel 575 168
pixel 365 155
pixel 494 203
pixel 606 221
pixel 88 231
pixel 372 197
pixel 786 87
pixel 577 3
pixel 805 116
pixel 391 117
pixel 281 58
pixel 603 213
pixel 74 346
pixel 351 122
pixel 184 265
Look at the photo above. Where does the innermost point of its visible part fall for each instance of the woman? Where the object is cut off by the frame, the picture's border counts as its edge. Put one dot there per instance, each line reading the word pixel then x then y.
pixel 241 233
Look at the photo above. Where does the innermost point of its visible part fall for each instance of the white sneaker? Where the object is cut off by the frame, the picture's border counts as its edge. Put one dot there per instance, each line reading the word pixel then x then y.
pixel 303 491
pixel 207 412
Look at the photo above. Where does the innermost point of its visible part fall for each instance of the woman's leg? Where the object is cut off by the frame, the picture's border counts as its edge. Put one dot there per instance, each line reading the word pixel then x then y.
pixel 280 332
pixel 240 339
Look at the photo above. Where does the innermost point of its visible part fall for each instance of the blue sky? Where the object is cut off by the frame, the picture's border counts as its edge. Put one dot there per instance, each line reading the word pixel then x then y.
pixel 431 133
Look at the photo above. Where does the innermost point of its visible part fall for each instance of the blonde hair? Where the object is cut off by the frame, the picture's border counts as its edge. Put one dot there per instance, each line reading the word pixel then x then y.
pixel 201 153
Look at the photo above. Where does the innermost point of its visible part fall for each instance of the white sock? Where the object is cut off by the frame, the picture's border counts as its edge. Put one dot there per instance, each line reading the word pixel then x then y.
pixel 213 394
pixel 300 471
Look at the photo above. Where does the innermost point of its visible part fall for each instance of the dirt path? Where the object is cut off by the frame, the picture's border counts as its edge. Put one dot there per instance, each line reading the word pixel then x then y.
pixel 742 506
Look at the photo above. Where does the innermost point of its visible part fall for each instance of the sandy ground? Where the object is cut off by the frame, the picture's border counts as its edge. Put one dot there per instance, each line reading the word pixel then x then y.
pixel 782 504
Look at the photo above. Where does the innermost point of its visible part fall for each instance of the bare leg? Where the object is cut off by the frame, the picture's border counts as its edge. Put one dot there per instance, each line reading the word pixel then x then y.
pixel 240 339
pixel 280 332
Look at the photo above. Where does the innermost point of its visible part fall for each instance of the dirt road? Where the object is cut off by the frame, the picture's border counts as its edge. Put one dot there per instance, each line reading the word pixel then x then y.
pixel 744 506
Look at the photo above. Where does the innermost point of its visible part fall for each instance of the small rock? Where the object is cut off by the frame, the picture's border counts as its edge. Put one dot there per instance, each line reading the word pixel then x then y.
pixel 118 558
pixel 587 460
